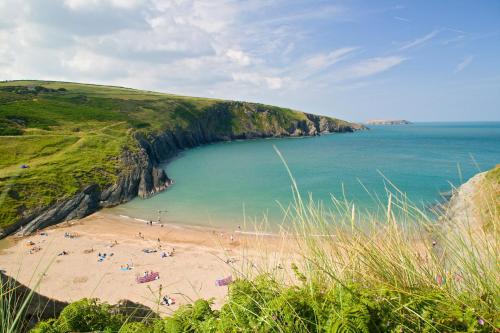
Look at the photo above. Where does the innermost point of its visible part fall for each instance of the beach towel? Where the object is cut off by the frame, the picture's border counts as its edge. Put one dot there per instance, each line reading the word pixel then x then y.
pixel 148 278
pixel 224 282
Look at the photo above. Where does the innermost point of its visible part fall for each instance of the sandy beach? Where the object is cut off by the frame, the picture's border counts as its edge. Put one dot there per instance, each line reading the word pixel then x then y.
pixel 201 256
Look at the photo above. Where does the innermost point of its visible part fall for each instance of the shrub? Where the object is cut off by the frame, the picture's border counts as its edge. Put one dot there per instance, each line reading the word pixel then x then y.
pixel 291 311
pixel 245 303
pixel 86 315
pixel 135 327
pixel 198 317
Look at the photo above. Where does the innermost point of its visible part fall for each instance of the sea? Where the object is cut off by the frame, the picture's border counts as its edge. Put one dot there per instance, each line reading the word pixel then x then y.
pixel 230 183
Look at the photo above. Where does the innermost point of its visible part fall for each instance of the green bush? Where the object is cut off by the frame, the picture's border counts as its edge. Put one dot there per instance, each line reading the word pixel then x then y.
pixel 198 317
pixel 291 311
pixel 264 306
pixel 246 300
pixel 86 315
pixel 135 327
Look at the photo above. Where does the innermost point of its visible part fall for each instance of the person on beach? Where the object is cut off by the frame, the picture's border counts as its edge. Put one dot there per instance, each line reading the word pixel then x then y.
pixel 167 300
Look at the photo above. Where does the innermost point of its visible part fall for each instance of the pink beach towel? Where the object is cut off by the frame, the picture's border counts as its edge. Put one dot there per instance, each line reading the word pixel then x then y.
pixel 148 278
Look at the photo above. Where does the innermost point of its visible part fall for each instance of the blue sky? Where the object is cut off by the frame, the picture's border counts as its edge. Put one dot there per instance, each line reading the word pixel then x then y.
pixel 356 60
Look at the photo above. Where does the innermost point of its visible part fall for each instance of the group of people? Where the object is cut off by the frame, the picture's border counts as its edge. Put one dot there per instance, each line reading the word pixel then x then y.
pixel 126 267
pixel 102 256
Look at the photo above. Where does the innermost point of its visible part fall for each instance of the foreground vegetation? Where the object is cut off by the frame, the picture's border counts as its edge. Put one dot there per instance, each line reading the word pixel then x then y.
pixel 398 272
pixel 70 136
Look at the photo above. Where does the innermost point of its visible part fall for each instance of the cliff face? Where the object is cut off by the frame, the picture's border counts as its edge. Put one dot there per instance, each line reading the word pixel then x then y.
pixel 181 125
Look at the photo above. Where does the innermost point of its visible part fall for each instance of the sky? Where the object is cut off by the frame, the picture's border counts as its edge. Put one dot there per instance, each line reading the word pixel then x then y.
pixel 422 60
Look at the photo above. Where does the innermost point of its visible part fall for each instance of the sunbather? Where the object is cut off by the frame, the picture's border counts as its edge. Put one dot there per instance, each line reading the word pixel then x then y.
pixel 167 300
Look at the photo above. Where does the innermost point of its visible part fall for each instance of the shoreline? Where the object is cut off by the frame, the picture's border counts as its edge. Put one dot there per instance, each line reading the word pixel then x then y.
pixel 188 227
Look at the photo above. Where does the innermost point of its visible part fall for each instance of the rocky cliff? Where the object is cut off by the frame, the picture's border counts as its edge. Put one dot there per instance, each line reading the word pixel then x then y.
pixel 156 128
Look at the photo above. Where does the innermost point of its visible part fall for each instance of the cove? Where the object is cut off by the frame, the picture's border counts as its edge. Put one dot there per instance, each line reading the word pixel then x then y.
pixel 219 184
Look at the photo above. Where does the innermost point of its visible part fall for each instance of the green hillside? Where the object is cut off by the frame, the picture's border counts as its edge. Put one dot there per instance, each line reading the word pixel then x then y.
pixel 72 135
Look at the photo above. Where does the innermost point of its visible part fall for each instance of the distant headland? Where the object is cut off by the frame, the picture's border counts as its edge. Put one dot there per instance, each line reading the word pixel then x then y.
pixel 388 122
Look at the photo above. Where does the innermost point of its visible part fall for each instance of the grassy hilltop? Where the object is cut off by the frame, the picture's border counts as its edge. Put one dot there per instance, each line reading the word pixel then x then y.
pixel 72 135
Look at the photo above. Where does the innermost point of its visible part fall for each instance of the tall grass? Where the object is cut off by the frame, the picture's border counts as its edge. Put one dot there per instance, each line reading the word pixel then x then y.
pixel 14 303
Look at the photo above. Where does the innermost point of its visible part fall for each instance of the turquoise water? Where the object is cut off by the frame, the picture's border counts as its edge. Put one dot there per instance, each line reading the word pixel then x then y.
pixel 216 183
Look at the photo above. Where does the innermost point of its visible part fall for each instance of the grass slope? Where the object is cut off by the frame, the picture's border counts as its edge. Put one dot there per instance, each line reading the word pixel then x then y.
pixel 71 134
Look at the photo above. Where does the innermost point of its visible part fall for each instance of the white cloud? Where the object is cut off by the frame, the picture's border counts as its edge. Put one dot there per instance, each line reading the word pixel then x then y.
pixel 402 19
pixel 238 57
pixel 271 82
pixel 87 62
pixel 419 41
pixel 322 61
pixel 86 4
pixel 464 63
pixel 222 48
pixel 368 67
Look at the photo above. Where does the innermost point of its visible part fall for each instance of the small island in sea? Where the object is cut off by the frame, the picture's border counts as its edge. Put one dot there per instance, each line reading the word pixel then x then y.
pixel 388 122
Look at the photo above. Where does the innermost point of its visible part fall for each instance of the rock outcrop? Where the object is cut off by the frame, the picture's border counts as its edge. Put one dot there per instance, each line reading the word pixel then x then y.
pixel 141 174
